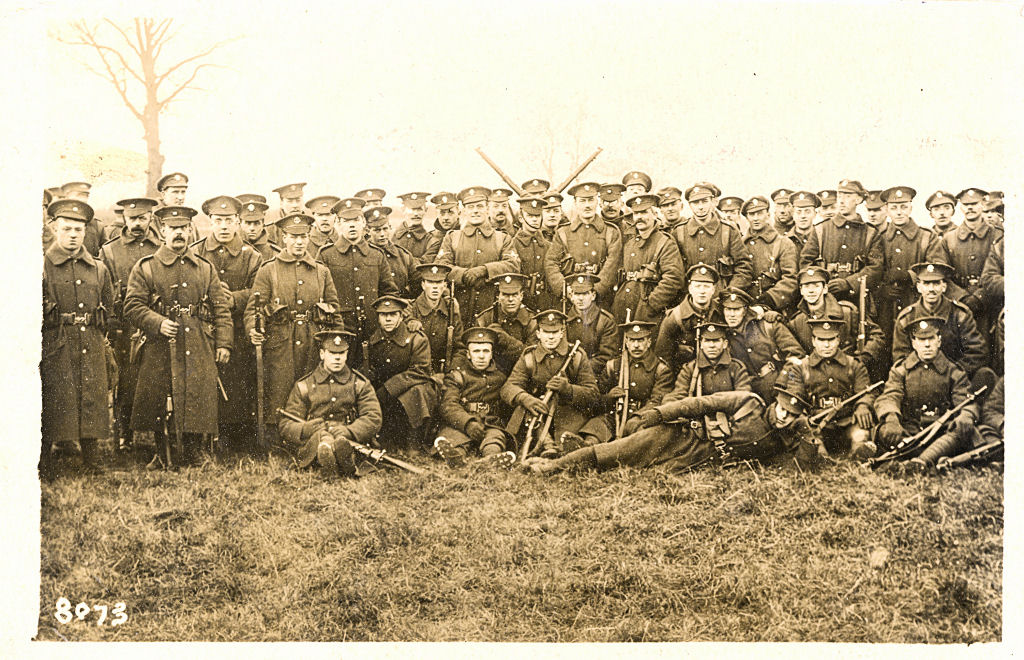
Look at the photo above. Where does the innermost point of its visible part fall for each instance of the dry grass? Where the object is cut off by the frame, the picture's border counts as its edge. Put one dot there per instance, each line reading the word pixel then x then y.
pixel 256 553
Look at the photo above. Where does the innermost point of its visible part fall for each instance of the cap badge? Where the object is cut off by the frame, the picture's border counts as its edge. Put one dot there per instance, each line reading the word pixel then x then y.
pixel 376 213
pixel 412 196
pixel 296 221
pixel 433 269
pixel 223 205
pixel 292 188
pixel 703 271
pixel 508 279
pixel 792 400
pixel 636 328
pixel 472 191
pixel 348 204
pixel 551 317
pixel 251 207
pixel 802 196
pixel 580 279
pixel 444 198
pixel 131 206
pixel 535 182
pixel 177 177
pixel 337 341
pixel 923 325
pixel 732 297
pixel 74 208
pixel 899 193
pixel 172 212
pixel 826 325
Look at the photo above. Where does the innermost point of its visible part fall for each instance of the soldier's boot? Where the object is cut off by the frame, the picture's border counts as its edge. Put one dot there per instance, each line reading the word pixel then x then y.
pixel 335 457
pixel 549 447
pixel 502 460
pixel 453 455
pixel 163 447
pixel 945 445
pixel 191 448
pixel 570 442
pixel 90 456
pixel 861 447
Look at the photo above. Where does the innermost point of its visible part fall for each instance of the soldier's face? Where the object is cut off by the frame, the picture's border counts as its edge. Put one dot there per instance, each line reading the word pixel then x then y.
pixel 828 211
pixel 373 203
pixel 475 213
pixel 847 202
pixel 550 339
pixel 942 215
pixel 610 207
pixel 783 211
pixel 700 291
pixel 480 354
pixel 352 228
pixel 448 217
pixel 551 217
pixel 586 206
pixel 825 346
pixel 634 189
pixel 251 229
pixel 223 227
pixel 931 290
pixel 877 217
pixel 295 244
pixel 899 212
pixel 638 347
pixel 291 205
pixel 389 320
pixel 733 315
pixel 333 360
pixel 644 220
pixel 671 210
pixel 498 211
pixel 971 210
pixel 415 215
pixel 70 233
pixel 582 300
pixel 701 207
pixel 926 347
pixel 138 225
pixel 173 195
pixel 812 291
pixel 531 221
pixel 732 215
pixel 758 219
pixel 324 222
pixel 803 217
pixel 433 289
pixel 712 348
pixel 175 237
pixel 510 302
pixel 378 234
pixel 993 218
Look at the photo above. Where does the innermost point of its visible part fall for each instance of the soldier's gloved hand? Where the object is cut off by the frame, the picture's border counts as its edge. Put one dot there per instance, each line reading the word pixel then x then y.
pixel 631 426
pixel 964 422
pixel 475 430
pixel 309 427
pixel 891 432
pixel 864 418
pixel 558 383
pixel 534 405
pixel 256 338
pixel 975 304
pixel 838 287
pixel 649 418
pixel 223 356
pixel 169 328
pixel 414 325
pixel 771 316
pixel 475 276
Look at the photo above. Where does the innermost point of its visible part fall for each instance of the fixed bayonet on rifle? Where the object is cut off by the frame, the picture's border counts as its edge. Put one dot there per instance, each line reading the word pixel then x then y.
pixel 547 400
pixel 446 364
pixel 579 170
pixel 862 326
pixel 375 455
pixel 822 418
pixel 176 402
pixel 911 445
pixel 504 177
pixel 622 404
pixel 260 326
pixel 989 451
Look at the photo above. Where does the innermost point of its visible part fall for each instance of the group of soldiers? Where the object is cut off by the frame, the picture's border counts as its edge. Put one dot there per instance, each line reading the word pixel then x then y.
pixel 621 331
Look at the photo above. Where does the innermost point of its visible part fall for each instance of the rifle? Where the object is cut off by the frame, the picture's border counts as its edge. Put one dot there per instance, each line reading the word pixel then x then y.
pixel 364 341
pixel 821 419
pixel 910 446
pixel 622 404
pixel 565 295
pixel 547 400
pixel 261 436
pixel 174 314
pixel 375 455
pixel 862 328
pixel 446 363
pixel 504 177
pixel 565 184
pixel 981 454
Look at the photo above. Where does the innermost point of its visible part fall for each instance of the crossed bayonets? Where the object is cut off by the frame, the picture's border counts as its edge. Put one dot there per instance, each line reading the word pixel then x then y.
pixel 519 191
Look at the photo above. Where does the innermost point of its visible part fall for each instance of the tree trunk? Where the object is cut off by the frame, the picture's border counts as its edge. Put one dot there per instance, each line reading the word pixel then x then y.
pixel 154 159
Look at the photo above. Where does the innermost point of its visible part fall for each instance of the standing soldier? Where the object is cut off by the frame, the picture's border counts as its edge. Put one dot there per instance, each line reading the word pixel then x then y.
pixel 472 412
pixel 729 208
pixel 613 210
pixel 433 312
pixel 636 183
pixel 398 365
pixel 941 206
pixel 254 233
pixel 291 197
pixel 846 246
pixel 499 210
pixel 878 216
pixel 760 345
pixel 324 218
pixel 411 234
pixel 552 217
pixel 338 405
pixel 670 201
pixel 137 239
pixel 297 295
pixel 805 211
pixel 705 239
pixel 79 190
pixel 371 197
pixel 172 188
pixel 535 187
pixel 510 319
pixel 904 244
pixel 77 294
pixel 532 247
pixel 652 272
pixel 447 219
pixel 677 337
pixel 587 244
pixel 993 209
pixel 783 220
pixel 828 204
pixel 992 279
pixel 477 253
pixel 773 257
pixel 236 263
pixel 175 297
pixel 587 322
pixel 400 261
pixel 113 230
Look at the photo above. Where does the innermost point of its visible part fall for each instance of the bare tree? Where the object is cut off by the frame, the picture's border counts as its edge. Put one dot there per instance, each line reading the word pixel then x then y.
pixel 133 67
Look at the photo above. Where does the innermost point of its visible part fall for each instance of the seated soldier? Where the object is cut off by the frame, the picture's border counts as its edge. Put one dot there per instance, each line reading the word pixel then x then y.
pixel 825 378
pixel 817 303
pixel 399 369
pixel 921 387
pixel 511 320
pixel 714 369
pixel 677 336
pixel 471 409
pixel 573 390
pixel 339 406
pixel 593 326
pixel 762 346
pixel 430 313
pixel 650 379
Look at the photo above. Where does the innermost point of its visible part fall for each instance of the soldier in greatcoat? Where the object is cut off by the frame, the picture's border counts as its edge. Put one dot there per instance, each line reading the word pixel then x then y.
pixel 773 256
pixel 447 205
pixel 705 239
pixel 512 321
pixel 432 312
pixel 401 262
pixel 411 234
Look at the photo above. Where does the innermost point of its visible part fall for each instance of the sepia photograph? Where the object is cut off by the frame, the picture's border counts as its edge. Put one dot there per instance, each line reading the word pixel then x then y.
pixel 501 323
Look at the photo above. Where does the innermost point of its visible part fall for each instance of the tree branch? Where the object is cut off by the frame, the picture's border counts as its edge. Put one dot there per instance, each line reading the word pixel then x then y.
pixel 87 38
pixel 124 34
pixel 185 84
pixel 158 37
pixel 160 78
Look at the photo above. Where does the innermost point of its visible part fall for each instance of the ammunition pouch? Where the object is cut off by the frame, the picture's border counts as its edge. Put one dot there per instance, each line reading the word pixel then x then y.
pixel 841 269
pixel 725 266
pixel 586 267
pixel 324 314
pixel 481 408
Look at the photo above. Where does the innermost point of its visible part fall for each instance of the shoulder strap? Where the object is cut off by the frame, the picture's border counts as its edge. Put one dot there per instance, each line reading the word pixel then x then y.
pixel 560 232
pixel 926 238
pixel 528 360
pixel 777 248
pixel 303 389
pixel 274 285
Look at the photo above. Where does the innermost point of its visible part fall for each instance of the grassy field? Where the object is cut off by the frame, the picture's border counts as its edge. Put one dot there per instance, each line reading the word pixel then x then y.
pixel 252 552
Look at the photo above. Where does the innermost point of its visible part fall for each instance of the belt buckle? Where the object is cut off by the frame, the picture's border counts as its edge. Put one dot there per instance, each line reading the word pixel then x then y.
pixel 694 424
pixel 81 318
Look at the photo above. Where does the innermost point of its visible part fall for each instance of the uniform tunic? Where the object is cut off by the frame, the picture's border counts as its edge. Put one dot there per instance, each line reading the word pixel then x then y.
pixel 650 379
pixel 992 275
pixel 902 247
pixel 402 265
pixel 77 293
pixel 774 261
pixel 157 283
pixel 414 238
pixel 360 274
pixel 961 341
pixel 717 244
pixel 318 239
pixel 434 239
pixel 399 369
pixel 847 248
pixel 470 395
pixel 762 347
pixel 345 400
pixel 724 374
pixel 920 392
pixel 532 248
pixel 824 382
pixel 515 332
pixel 263 245
pixel 472 246
pixel 581 247
pixel 677 336
pixel 291 288
pixel 435 328
pixel 236 263
pixel 874 341
pixel 966 250
pixel 597 334
pixel 655 259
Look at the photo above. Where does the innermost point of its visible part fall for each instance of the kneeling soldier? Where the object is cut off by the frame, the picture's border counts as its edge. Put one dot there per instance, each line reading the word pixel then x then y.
pixel 594 327
pixel 471 407
pixel 921 387
pixel 511 320
pixel 339 406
